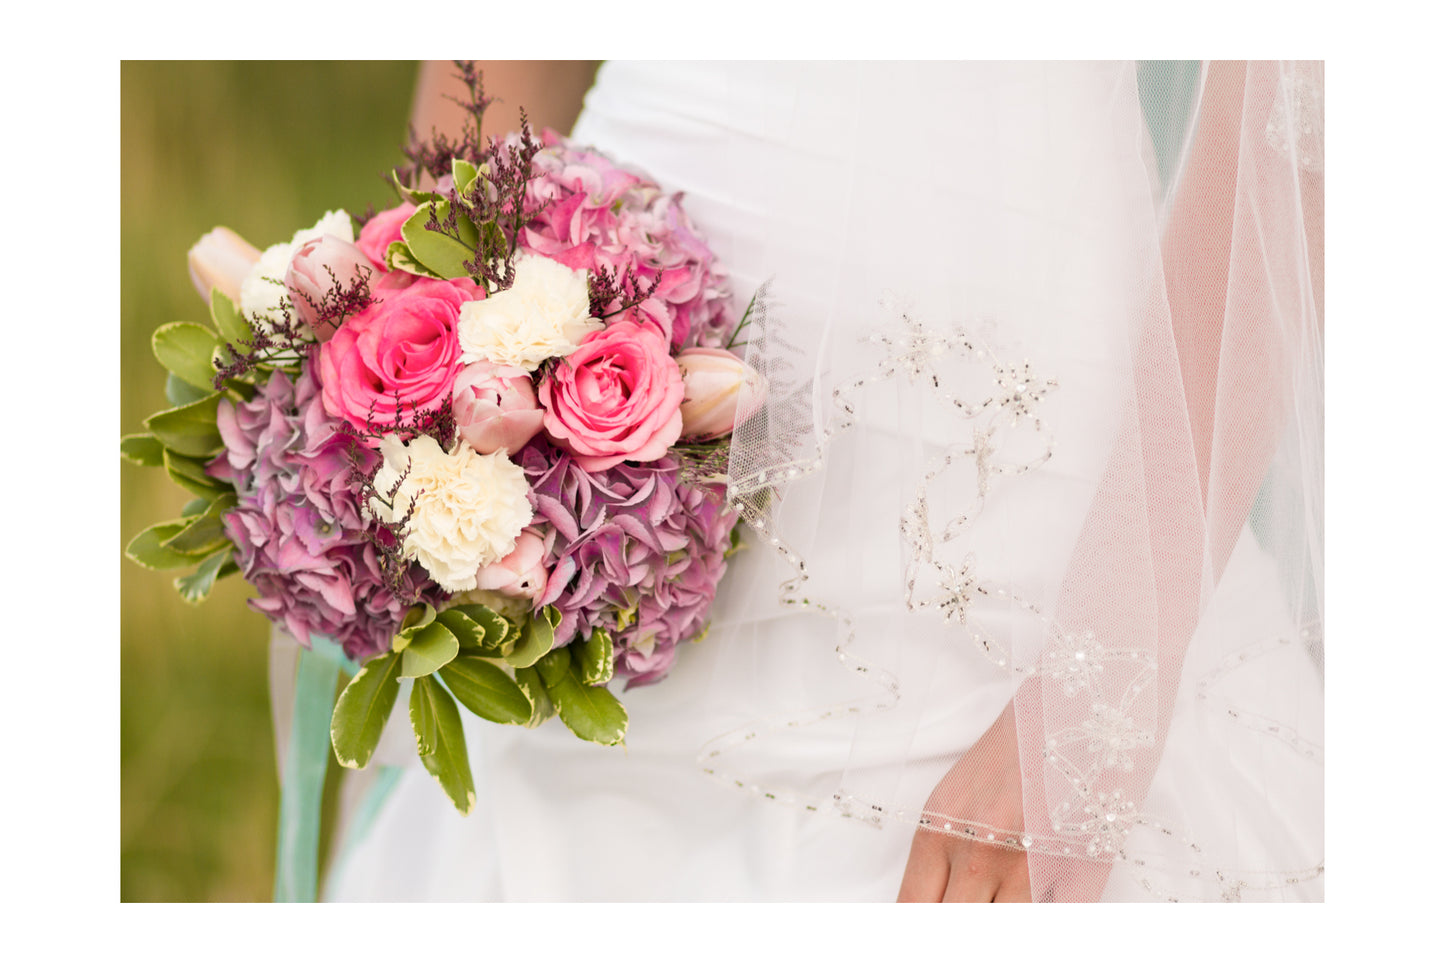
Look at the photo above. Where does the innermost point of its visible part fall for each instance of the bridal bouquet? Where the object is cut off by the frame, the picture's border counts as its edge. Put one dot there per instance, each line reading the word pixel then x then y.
pixel 477 441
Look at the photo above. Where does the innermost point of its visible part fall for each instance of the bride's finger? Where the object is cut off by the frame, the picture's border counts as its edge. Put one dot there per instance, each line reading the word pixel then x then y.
pixel 1015 887
pixel 973 877
pixel 926 874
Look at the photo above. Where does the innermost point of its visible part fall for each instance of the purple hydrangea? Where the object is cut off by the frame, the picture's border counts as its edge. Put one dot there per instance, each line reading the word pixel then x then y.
pixel 597 216
pixel 635 552
pixel 300 534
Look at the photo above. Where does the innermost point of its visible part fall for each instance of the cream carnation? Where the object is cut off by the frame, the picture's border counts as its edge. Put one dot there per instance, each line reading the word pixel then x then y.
pixel 544 314
pixel 466 509
pixel 263 289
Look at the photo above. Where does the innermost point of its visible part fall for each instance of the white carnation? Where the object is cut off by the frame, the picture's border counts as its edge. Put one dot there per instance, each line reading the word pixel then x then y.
pixel 544 314
pixel 467 509
pixel 263 291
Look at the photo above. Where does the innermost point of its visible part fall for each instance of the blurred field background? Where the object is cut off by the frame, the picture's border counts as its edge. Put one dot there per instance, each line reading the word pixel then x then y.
pixel 264 148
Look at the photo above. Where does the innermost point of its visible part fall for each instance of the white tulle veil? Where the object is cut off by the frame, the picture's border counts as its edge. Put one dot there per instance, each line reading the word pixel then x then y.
pixel 1076 390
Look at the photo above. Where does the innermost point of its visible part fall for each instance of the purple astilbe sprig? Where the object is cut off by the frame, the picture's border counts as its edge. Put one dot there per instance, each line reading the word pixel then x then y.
pixel 614 292
pixel 362 219
pixel 387 538
pixel 407 422
pixel 275 342
pixel 341 300
pixel 434 156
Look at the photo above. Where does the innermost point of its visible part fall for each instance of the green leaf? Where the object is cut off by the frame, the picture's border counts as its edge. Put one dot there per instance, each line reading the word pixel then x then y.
pixel 147 550
pixel 447 761
pixel 594 657
pixel 190 474
pixel 469 634
pixel 423 720
pixel 189 429
pixel 180 393
pixel 591 712
pixel 417 617
pixel 362 710
pixel 142 450
pixel 228 321
pixel 532 686
pixel 398 258
pixel 536 641
pixel 486 690
pixel 463 174
pixel 439 253
pixel 206 533
pixel 430 648
pixel 195 587
pixel 184 349
pixel 195 506
pixel 498 629
pixel 416 196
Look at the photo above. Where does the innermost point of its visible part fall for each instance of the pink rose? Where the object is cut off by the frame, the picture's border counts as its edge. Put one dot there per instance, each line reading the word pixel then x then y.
pixel 495 407
pixel 317 268
pixel 522 574
pixel 381 231
pixel 403 349
pixel 615 398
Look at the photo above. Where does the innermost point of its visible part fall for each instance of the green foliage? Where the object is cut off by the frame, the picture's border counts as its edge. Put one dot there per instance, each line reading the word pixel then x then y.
pixel 228 321
pixel 430 648
pixel 188 429
pixel 486 690
pixel 143 450
pixel 591 712
pixel 537 639
pixel 440 742
pixel 185 350
pixel 195 587
pixel 529 680
pixel 440 253
pixel 204 534
pixel 363 708
pixel 594 657
pixel 148 548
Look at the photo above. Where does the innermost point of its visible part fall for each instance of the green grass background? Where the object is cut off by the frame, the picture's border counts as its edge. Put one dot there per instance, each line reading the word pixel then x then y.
pixel 265 149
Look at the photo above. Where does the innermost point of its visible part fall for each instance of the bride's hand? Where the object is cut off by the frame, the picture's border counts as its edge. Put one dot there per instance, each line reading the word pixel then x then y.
pixel 984 786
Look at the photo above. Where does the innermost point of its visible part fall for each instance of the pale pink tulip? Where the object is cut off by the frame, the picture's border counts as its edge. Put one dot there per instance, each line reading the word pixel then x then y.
pixel 221 259
pixel 719 391
pixel 321 265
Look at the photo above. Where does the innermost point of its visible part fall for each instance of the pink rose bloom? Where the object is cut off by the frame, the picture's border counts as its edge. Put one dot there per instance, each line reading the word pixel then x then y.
pixel 317 268
pixel 403 348
pixel 522 574
pixel 495 407
pixel 381 231
pixel 615 398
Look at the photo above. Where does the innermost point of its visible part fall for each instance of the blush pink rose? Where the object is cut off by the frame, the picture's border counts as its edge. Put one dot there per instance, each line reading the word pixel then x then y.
pixel 522 574
pixel 495 407
pixel 615 398
pixel 402 349
pixel 382 230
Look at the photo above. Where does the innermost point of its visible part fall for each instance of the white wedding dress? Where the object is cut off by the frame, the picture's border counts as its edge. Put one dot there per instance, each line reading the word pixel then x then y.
pixel 927 230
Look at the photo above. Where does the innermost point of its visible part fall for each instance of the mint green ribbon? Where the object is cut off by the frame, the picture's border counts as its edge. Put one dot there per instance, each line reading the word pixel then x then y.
pixel 298 831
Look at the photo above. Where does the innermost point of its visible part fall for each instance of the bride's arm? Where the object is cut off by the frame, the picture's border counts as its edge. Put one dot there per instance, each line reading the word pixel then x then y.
pixel 551 91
